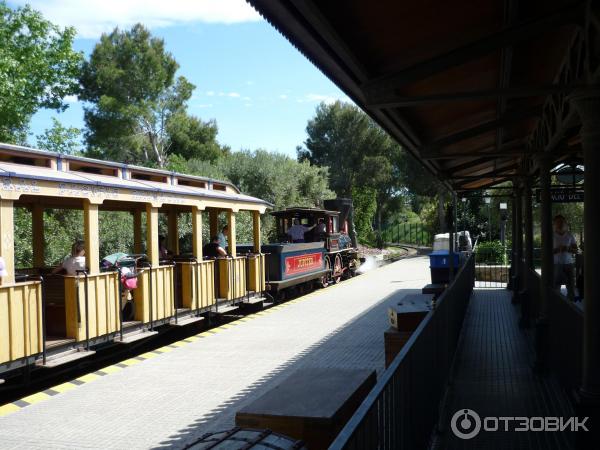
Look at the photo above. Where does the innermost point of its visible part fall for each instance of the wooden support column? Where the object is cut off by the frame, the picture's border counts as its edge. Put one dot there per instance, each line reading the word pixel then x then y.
pixel 451 235
pixel 587 104
pixel 37 228
pixel 137 231
pixel 231 233
pixel 541 325
pixel 152 235
pixel 92 238
pixel 7 240
pixel 213 219
pixel 197 232
pixel 547 235
pixel 527 300
pixel 173 225
pixel 517 238
pixel 256 230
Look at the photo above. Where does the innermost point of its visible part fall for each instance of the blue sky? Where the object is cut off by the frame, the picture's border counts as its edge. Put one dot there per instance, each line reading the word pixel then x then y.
pixel 257 86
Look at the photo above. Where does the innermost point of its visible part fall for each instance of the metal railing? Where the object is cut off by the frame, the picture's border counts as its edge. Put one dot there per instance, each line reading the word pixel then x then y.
pixel 402 410
pixel 492 266
pixel 407 233
pixel 565 332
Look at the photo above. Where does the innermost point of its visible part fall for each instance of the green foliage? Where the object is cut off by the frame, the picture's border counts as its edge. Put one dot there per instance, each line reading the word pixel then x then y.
pixel 365 205
pixel 273 177
pixel 359 154
pixel 130 82
pixel 191 138
pixel 38 68
pixel 59 139
pixel 491 252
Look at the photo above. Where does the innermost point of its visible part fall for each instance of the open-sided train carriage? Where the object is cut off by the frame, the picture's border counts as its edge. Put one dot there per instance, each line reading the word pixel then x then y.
pixel 50 319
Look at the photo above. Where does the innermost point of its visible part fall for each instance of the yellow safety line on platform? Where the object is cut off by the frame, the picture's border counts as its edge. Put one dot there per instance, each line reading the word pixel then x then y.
pixel 38 397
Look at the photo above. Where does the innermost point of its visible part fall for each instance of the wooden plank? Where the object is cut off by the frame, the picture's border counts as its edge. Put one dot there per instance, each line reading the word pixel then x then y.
pixel 152 234
pixel 7 240
pixel 231 239
pixel 197 232
pixel 256 231
pixel 91 229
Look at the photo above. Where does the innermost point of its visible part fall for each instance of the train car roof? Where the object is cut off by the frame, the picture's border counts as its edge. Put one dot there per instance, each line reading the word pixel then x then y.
pixel 301 210
pixel 24 163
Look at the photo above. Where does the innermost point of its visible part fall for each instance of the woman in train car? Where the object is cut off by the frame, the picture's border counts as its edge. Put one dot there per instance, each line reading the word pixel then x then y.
pixel 164 252
pixel 74 262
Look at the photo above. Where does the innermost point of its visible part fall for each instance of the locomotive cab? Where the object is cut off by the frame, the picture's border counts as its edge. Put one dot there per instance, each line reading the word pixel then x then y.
pixel 321 226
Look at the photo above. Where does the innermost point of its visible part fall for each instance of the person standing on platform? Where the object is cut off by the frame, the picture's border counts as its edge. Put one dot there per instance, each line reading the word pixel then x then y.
pixel 564 246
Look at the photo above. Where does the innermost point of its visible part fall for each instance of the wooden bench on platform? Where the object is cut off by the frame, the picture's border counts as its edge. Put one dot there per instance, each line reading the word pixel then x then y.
pixel 404 319
pixel 312 404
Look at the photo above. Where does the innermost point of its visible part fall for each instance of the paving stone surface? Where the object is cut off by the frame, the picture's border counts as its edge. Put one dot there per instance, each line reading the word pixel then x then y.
pixel 175 397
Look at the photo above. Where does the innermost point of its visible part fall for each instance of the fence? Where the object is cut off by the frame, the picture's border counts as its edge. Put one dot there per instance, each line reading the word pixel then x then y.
pixel 402 409
pixel 564 335
pixel 407 233
pixel 492 264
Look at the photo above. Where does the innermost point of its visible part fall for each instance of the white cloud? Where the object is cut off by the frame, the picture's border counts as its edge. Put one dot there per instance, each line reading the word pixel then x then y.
pixel 326 98
pixel 93 17
pixel 71 99
pixel 249 83
pixel 233 94
pixel 283 97
pixel 210 93
pixel 246 98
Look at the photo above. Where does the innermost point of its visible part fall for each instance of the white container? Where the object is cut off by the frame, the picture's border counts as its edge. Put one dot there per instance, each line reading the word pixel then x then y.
pixel 441 242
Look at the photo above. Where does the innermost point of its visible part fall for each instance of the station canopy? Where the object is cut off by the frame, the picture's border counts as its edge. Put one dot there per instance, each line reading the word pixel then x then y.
pixel 470 88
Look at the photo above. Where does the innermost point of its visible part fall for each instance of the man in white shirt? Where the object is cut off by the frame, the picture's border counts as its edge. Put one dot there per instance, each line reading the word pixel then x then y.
pixel 564 246
pixel 296 231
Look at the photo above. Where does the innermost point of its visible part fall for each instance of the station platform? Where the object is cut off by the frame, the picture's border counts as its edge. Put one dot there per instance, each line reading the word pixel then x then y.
pixel 170 397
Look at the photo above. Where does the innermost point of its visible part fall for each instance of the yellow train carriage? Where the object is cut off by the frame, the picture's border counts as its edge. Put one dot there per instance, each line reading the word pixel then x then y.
pixel 44 316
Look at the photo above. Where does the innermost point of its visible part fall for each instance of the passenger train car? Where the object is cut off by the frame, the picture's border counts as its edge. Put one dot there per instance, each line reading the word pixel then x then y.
pixel 47 320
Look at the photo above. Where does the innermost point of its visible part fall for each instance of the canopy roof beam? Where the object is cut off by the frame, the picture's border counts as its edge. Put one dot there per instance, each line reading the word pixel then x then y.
pixel 381 87
pixel 506 119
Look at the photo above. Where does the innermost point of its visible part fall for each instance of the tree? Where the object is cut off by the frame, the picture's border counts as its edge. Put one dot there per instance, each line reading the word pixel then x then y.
pixel 130 82
pixel 273 177
pixel 191 138
pixel 38 68
pixel 59 139
pixel 361 156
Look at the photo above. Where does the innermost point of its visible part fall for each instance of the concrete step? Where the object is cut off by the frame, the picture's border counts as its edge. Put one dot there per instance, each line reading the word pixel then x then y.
pixel 134 337
pixel 182 321
pixel 227 309
pixel 65 358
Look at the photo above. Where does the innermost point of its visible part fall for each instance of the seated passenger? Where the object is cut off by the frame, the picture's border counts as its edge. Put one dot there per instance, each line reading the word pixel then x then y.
pixel 213 249
pixel 163 251
pixel 321 227
pixel 74 262
pixel 296 231
pixel 223 237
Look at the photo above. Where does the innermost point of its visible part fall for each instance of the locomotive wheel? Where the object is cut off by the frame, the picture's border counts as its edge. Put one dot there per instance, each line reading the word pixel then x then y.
pixel 338 269
pixel 325 279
